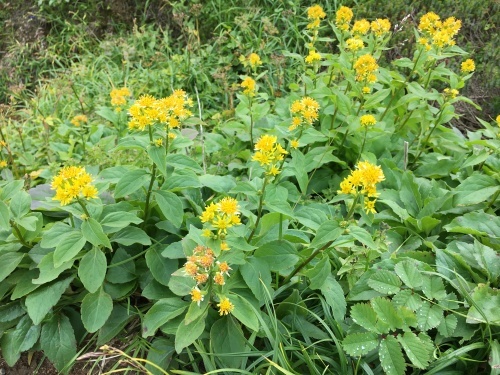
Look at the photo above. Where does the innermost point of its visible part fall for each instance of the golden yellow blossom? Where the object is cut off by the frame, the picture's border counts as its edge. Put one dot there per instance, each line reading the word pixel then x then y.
pixel 225 306
pixel 361 27
pixel 440 33
pixel 269 153
pixel 119 96
pixel 219 279
pixel 254 60
pixel 468 66
pixel 450 93
pixel 312 57
pixel 248 85
pixel 315 14
pixel 224 268
pixel 366 90
pixel 369 206
pixel 3 163
pixel 294 143
pixel 367 120
pixel 354 44
pixel 343 17
pixel 196 295
pixel 79 120
pixel 222 215
pixel 224 246
pixel 73 183
pixel 365 67
pixel 380 27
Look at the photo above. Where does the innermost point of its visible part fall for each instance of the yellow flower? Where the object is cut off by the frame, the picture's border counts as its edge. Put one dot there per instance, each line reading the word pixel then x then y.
pixel 343 17
pixel 367 120
pixel 73 183
pixel 365 67
pixel 209 213
pixel 380 26
pixel 119 96
pixel 206 233
pixel 361 27
pixel 294 143
pixel 224 268
pixel 196 295
pixel 354 44
pixel 315 12
pixel 229 206
pixel 440 33
pixel 3 163
pixel 219 279
pixel 190 268
pixel 312 57
pixel 225 306
pixel 450 93
pixel 498 120
pixel 369 206
pixel 362 180
pixel 201 278
pixel 366 90
pixel 224 246
pixel 308 110
pixel 248 85
pixel 159 142
pixel 266 143
pixel 468 66
pixel 79 120
pixel 254 60
pixel 424 42
pixel 269 153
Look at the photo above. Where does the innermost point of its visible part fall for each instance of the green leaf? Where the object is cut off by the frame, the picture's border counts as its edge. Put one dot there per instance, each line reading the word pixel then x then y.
pixel 477 223
pixel 157 155
pixel 327 232
pixel 409 194
pixel 494 358
pixel 358 344
pixel 160 353
pixel 8 263
pixel 475 189
pixel 319 273
pixel 364 316
pixel 433 287
pixel 96 309
pixel 161 312
pixel 227 341
pixel 448 325
pixel 171 206
pixel 279 255
pixel 183 162
pixel 47 270
pixel 52 237
pixel 131 235
pixel 20 204
pixel 376 98
pixel 428 316
pixel 124 271
pixel 416 350
pixel 385 282
pixel 334 296
pixel 39 302
pixel 10 311
pixel 386 312
pixel 407 298
pixel 4 216
pixel 220 184
pixel 131 182
pixel 298 165
pixel 187 333
pixel 22 338
pixel 58 341
pixel 92 231
pixel 120 219
pixel 92 269
pixel 244 312
pixel 118 319
pixel 28 222
pixel 362 236
pixel 257 276
pixel 486 306
pixel 68 248
pixel 408 272
pixel 391 356
pixel 178 183
pixel 161 268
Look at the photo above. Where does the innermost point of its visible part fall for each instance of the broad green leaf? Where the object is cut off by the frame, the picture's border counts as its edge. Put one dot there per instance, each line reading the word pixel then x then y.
pixel 52 237
pixel 47 270
pixel 362 236
pixel 279 255
pixel 58 341
pixel 494 359
pixel 477 223
pixel 391 356
pixel 182 285
pixel 386 312
pixel 187 333
pixel 298 165
pixel 385 282
pixel 171 206
pixel 92 269
pixel 68 248
pixel 24 286
pixel 22 338
pixel 428 316
pixel 4 216
pixel 39 302
pixel 334 296
pixel 160 353
pixel 158 156
pixel 96 309
pixel 409 194
pixel 310 217
pixel 118 319
pixel 124 270
pixel 433 287
pixel 318 274
pixel 93 233
pixel 27 222
pixel 7 190
pixel 358 344
pixel 160 313
pixel 8 263
pixel 10 311
pixel 131 235
pixel 119 220
pixel 20 204
pixel 257 276
pixel 131 182
pixel 244 312
pixel 183 162
pixel 448 325
pixel 364 316
pixel 408 298
pixel 227 341
pixel 181 182
pixel 161 268
pixel 408 272
pixel 327 232
pixel 416 350
pixel 486 306
pixel 475 189
pixel 220 184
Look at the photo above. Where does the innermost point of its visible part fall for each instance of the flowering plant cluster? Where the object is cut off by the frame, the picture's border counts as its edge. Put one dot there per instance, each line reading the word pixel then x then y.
pixel 73 183
pixel 220 217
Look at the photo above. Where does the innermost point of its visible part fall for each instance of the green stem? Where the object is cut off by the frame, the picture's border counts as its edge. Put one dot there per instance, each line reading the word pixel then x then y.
pixel 251 120
pixel 362 146
pixel 353 207
pixel 427 138
pixel 493 200
pixel 259 210
pixel 84 208
pixel 19 235
pixel 148 195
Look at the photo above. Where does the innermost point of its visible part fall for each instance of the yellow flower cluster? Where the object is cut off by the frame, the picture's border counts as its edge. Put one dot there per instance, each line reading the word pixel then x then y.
pixel 315 14
pixel 3 163
pixel 354 44
pixel 361 27
pixel 365 67
pixel 221 216
pixel 225 306
pixel 312 57
pixel 269 153
pixel 343 17
pixel 304 111
pixel 380 27
pixel 450 93
pixel 169 111
pixel 248 85
pixel 119 97
pixel 73 183
pixel 468 66
pixel 79 120
pixel 436 32
pixel 498 120
pixel 367 120
pixel 363 181
pixel 253 60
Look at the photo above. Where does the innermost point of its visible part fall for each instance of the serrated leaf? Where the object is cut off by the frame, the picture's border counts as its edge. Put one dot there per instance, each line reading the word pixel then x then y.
pixel 407 298
pixel 448 325
pixel 475 189
pixel 408 272
pixel 386 312
pixel 364 315
pixel 328 231
pixel 391 356
pixel 433 287
pixel 362 236
pixel 416 350
pixel 161 312
pixel 476 223
pixel 96 309
pixel 428 316
pixel 385 282
pixel 358 344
